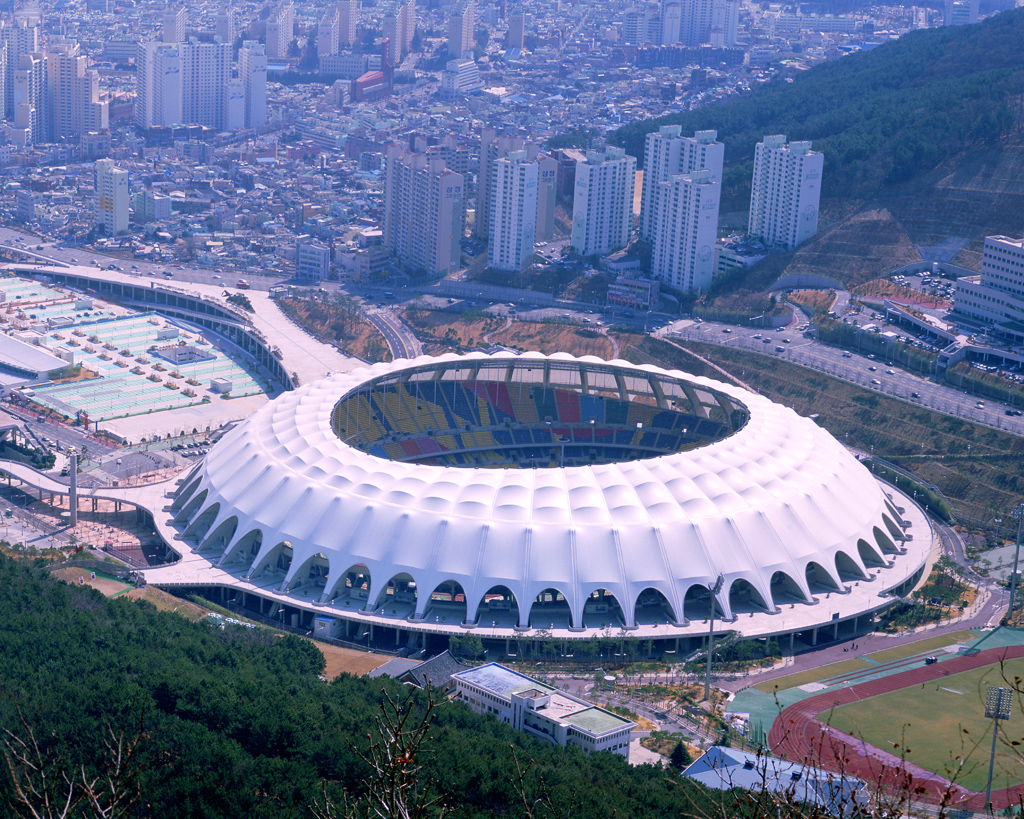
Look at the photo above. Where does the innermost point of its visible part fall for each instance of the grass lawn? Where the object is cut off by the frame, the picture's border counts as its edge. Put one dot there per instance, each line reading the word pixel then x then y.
pixel 812 675
pixel 921 646
pixel 942 726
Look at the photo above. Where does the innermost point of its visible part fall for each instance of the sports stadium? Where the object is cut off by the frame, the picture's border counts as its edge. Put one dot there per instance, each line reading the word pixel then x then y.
pixel 505 495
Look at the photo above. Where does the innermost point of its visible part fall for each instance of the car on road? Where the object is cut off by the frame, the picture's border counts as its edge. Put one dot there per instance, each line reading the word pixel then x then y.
pixel 915 395
pixel 766 341
pixel 889 372
pixel 785 341
pixel 726 330
pixel 847 355
pixel 872 368
pixel 779 348
pixel 757 335
pixel 875 381
pixel 980 405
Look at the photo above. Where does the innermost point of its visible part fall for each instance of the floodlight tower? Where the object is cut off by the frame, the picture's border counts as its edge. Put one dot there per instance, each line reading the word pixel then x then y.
pixel 997 707
pixel 1018 513
pixel 714 589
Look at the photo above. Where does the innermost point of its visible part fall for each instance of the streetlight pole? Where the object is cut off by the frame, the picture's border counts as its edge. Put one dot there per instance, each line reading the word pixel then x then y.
pixel 997 707
pixel 1018 512
pixel 713 590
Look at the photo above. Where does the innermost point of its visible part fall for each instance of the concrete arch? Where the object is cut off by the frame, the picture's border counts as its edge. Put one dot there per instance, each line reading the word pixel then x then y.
pixel 273 563
pixel 786 589
pixel 198 528
pixel 221 535
pixel 894 511
pixel 312 571
pixel 243 551
pixel 895 532
pixel 870 554
pixel 185 490
pixel 501 609
pixel 445 604
pixel 186 512
pixel 745 598
pixel 397 597
pixel 652 606
pixel 350 588
pixel 697 603
pixel 820 580
pixel 849 569
pixel 883 541
pixel 601 608
pixel 552 609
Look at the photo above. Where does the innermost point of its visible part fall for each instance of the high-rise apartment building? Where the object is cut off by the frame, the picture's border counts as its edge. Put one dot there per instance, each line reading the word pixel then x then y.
pixel 399 26
pixel 518 24
pixel 111 185
pixel 348 14
pixel 686 227
pixel 327 33
pixel 668 153
pixel 460 29
pixel 602 208
pixel 224 25
pixel 423 212
pixel 73 91
pixel 205 71
pixel 173 28
pixel 280 30
pixel 18 39
pixel 31 115
pixel 513 212
pixel 785 192
pixel 695 22
pixel 493 148
pixel 252 71
pixel 725 21
pixel 158 93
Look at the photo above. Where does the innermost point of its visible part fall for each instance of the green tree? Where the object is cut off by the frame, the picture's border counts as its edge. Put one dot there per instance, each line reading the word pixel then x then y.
pixel 680 757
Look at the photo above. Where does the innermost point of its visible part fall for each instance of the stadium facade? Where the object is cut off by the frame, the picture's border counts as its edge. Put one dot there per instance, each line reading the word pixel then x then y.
pixel 506 495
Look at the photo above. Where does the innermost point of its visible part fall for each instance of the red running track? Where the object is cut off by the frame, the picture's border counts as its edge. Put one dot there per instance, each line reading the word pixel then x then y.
pixel 798 735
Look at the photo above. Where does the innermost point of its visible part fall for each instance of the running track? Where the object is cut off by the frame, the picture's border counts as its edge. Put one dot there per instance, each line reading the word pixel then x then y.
pixel 799 736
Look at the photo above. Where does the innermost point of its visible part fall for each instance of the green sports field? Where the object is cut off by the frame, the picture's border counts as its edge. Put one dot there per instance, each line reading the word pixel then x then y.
pixel 943 726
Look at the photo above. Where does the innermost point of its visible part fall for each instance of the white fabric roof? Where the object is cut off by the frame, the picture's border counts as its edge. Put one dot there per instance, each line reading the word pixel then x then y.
pixel 774 496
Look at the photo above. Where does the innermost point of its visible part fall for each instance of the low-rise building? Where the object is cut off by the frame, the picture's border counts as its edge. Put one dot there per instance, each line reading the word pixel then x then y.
pixel 543 712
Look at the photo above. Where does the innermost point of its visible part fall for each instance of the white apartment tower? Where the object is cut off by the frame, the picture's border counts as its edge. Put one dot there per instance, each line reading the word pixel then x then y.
pixel 695 22
pixel 668 153
pixel 18 39
pixel 252 71
pixel 280 30
pixel 492 148
pixel 30 108
pixel 423 212
pixel 224 25
pixel 327 33
pixel 785 192
pixel 686 227
pixel 173 28
pixel 348 14
pixel 460 28
pixel 205 72
pixel 111 197
pixel 74 92
pixel 518 24
pixel 158 85
pixel 399 25
pixel 602 209
pixel 725 21
pixel 513 213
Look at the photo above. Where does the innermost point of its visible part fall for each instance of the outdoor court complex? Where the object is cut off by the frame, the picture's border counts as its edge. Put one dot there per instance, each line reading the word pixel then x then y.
pixel 505 495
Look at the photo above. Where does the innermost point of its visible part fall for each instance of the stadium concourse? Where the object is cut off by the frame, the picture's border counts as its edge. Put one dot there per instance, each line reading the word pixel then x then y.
pixel 526 497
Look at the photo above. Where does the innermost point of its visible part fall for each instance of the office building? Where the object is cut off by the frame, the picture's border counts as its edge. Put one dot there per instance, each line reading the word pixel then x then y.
pixel 785 192
pixel 312 259
pixel 996 296
pixel 460 77
pixel 666 154
pixel 460 29
pixel 423 212
pixel 280 30
pixel 513 212
pixel 602 209
pixel 173 28
pixel 541 711
pixel 348 14
pixel 252 71
pixel 111 186
pixel 148 206
pixel 685 230
pixel 517 26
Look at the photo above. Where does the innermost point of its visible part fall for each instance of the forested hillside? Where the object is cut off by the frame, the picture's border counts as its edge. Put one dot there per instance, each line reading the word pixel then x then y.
pixel 882 117
pixel 237 723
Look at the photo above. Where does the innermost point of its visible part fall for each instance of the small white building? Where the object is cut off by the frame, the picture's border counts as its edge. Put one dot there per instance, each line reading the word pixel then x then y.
pixel 542 711
pixel 312 260
pixel 460 76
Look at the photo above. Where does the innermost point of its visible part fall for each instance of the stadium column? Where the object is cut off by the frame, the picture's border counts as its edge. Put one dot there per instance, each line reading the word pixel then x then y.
pixel 73 488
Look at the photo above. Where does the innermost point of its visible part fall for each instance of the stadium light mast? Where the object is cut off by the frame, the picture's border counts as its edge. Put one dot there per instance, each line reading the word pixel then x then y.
pixel 997 707
pixel 714 590
pixel 1018 512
